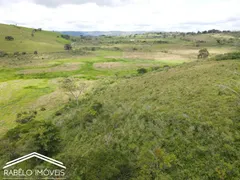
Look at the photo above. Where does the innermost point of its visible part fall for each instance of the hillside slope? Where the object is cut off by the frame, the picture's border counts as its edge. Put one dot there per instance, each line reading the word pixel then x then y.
pixel 181 123
pixel 42 41
pixel 178 123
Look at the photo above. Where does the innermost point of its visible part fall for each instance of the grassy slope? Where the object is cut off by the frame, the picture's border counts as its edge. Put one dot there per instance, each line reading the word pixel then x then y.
pixel 186 113
pixel 43 41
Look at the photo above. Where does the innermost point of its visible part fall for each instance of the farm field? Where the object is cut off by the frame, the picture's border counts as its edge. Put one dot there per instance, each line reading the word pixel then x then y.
pixel 146 103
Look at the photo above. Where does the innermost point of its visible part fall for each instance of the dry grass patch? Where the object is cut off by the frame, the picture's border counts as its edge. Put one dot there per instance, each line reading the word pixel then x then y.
pixel 110 65
pixel 153 56
pixel 63 67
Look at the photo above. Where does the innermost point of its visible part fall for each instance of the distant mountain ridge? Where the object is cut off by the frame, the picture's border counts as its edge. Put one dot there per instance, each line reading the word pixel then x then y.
pixel 99 33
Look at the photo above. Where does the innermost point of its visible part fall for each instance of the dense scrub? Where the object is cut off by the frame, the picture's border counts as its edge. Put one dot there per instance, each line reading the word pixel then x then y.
pixel 179 124
pixel 228 56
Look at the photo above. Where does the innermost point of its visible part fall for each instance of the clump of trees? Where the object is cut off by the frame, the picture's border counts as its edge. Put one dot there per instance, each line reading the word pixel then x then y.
pixel 9 38
pixel 35 136
pixel 68 47
pixel 65 36
pixel 203 53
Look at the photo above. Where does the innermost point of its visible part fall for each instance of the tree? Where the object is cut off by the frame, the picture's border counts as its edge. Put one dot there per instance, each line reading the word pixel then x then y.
pixel 203 54
pixel 68 47
pixel 73 87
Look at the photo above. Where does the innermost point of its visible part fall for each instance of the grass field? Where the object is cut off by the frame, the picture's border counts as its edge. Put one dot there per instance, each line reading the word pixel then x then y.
pixel 43 41
pixel 150 109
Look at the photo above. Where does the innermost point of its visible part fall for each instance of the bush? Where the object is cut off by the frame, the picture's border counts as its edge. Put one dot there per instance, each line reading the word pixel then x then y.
pixel 35 136
pixel 142 71
pixel 24 53
pixel 25 117
pixel 155 68
pixel 9 38
pixel 2 54
pixel 103 164
pixel 67 47
pixel 116 49
pixel 16 53
pixel 35 52
pixel 166 66
pixel 43 109
pixel 160 42
pixel 228 56
pixel 203 54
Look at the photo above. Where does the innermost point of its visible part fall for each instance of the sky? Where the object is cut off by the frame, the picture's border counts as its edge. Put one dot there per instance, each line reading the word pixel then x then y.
pixel 122 15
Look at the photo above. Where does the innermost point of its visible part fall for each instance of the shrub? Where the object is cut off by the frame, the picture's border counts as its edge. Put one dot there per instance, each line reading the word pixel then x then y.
pixel 103 164
pixel 9 38
pixel 155 68
pixel 35 52
pixel 228 56
pixel 24 53
pixel 2 54
pixel 166 66
pixel 16 53
pixel 43 109
pixel 35 136
pixel 161 42
pixel 67 47
pixel 142 71
pixel 25 117
pixel 58 113
pixel 116 49
pixel 203 54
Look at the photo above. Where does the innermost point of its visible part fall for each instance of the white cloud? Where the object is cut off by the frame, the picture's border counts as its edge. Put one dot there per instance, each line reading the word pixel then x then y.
pixel 126 15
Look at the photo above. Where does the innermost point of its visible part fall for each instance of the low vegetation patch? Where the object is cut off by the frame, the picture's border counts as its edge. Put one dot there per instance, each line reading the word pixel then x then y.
pixel 228 56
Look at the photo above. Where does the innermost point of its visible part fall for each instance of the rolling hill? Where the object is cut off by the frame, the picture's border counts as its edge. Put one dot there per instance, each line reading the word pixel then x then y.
pixel 42 41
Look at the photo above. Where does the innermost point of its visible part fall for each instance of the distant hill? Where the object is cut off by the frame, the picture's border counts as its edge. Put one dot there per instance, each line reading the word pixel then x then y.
pixel 99 33
pixel 24 41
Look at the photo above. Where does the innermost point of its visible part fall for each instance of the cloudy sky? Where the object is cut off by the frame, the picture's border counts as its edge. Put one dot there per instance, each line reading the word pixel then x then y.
pixel 124 15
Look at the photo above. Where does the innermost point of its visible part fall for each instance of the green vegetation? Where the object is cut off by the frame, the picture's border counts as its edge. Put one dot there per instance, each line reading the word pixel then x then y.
pixel 203 54
pixel 15 38
pixel 175 124
pixel 132 107
pixel 228 56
